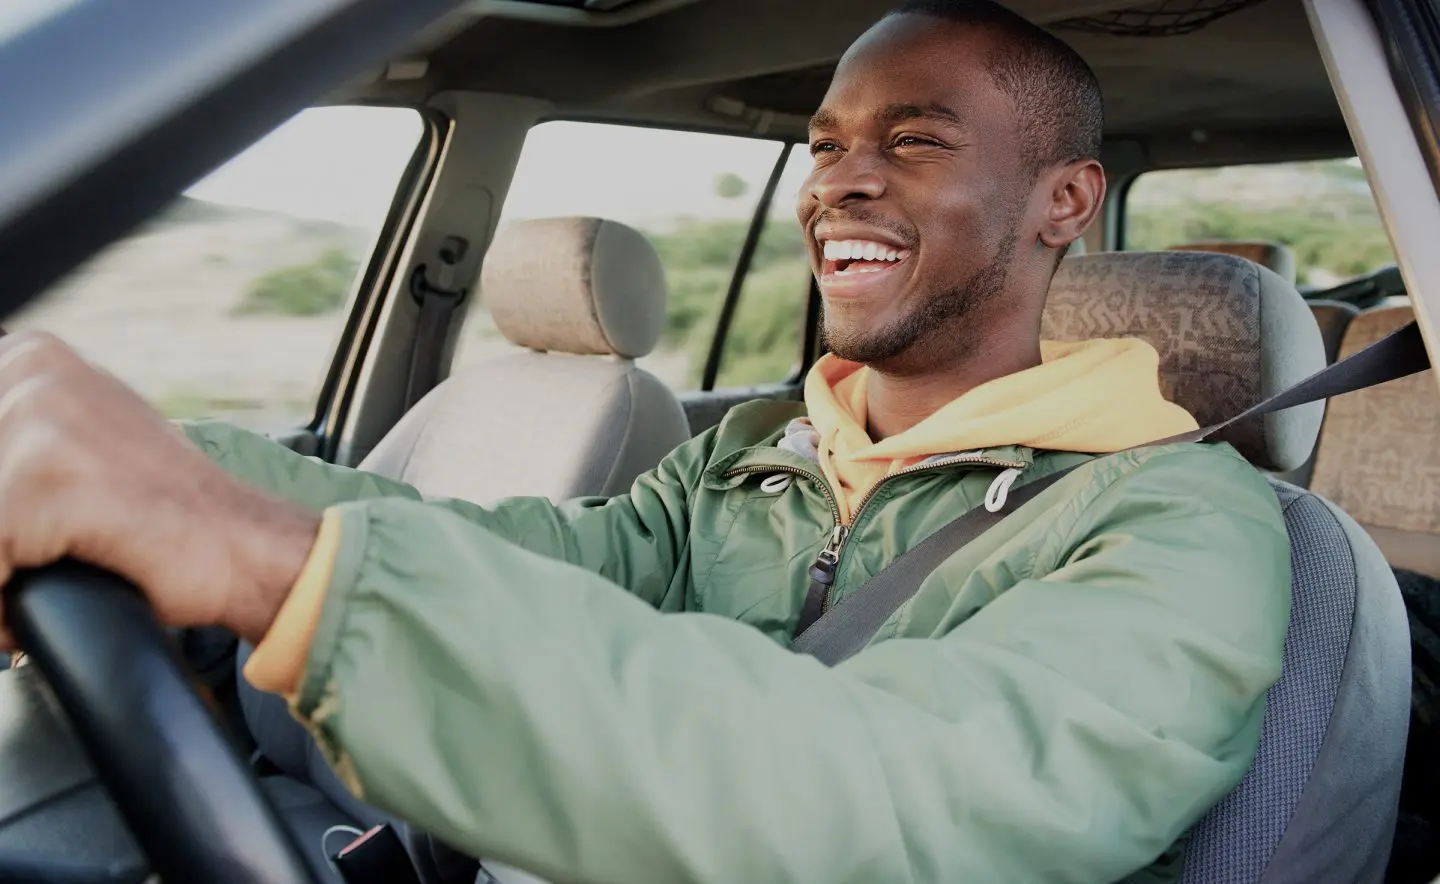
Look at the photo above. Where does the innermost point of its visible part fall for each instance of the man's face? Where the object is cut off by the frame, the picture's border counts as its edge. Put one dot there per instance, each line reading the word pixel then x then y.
pixel 914 206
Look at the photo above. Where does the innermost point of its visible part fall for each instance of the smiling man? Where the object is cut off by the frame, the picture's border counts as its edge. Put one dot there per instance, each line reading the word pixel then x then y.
pixel 600 691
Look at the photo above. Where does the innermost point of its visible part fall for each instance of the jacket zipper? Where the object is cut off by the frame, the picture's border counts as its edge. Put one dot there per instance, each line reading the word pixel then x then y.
pixel 827 561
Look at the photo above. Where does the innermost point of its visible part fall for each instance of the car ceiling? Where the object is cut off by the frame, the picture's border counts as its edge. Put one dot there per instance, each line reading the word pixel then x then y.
pixel 765 64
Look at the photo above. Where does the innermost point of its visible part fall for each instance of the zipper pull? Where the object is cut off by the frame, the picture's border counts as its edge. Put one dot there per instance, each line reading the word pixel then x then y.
pixel 822 569
pixel 822 577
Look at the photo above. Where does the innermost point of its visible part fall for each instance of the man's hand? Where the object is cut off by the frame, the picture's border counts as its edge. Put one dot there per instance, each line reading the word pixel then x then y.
pixel 90 471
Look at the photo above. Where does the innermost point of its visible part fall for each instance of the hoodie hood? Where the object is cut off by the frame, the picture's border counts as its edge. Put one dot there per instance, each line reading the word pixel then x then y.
pixel 1091 397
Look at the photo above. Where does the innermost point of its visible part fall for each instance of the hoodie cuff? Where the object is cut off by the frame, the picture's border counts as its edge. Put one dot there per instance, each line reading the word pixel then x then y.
pixel 278 663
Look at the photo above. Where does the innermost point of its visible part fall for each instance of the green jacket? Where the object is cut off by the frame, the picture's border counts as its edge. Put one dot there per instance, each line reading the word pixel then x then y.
pixel 600 691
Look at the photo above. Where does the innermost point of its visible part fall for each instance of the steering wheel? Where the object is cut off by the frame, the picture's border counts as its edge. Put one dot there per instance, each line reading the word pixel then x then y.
pixel 191 803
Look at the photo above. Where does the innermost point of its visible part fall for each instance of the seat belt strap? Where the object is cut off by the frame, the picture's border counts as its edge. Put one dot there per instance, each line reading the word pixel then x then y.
pixel 438 301
pixel 846 628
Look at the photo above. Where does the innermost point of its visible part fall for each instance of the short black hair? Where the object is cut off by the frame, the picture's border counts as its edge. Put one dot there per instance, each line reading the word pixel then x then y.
pixel 1055 91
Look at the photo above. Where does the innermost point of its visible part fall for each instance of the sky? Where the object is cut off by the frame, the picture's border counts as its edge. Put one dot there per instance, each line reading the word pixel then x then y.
pixel 342 164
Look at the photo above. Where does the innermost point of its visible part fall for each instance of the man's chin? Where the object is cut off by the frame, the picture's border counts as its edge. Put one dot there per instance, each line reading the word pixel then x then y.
pixel 868 346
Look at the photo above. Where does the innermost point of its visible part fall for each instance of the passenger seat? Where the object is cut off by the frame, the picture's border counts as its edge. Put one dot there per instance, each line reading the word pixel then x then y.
pixel 1273 256
pixel 567 413
pixel 1377 457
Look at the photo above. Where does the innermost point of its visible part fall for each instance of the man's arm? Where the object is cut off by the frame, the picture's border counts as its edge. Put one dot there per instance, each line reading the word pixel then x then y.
pixel 636 540
pixel 528 710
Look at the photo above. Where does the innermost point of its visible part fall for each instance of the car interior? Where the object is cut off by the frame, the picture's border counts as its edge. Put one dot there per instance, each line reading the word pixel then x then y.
pixel 483 352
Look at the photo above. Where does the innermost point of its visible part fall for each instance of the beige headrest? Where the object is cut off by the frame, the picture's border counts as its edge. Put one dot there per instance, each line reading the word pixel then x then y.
pixel 575 285
pixel 1273 256
pixel 1230 333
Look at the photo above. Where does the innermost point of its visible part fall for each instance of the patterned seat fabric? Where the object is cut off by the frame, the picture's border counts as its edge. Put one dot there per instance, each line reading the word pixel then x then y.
pixel 1229 334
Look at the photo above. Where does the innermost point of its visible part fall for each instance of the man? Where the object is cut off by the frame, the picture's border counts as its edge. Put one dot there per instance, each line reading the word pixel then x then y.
pixel 600 691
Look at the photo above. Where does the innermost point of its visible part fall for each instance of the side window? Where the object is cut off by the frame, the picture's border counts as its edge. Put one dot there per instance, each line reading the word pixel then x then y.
pixel 694 196
pixel 1322 210
pixel 763 344
pixel 229 303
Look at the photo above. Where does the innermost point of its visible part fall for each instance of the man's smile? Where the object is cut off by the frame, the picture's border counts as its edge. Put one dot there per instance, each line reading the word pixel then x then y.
pixel 853 266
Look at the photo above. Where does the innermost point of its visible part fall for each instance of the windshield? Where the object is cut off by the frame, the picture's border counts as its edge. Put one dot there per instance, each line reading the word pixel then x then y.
pixel 18 16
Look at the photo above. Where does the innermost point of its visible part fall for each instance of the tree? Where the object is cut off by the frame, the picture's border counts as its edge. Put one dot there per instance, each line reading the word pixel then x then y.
pixel 730 186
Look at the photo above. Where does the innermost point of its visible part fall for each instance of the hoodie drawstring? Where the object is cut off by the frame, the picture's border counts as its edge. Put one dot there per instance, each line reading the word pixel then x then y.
pixel 1000 490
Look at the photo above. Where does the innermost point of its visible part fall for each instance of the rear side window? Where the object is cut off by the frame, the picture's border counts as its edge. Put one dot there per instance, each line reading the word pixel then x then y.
pixel 229 304
pixel 694 195
pixel 1323 211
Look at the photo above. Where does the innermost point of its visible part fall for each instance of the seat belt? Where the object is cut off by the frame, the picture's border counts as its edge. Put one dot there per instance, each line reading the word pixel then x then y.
pixel 438 301
pixel 850 625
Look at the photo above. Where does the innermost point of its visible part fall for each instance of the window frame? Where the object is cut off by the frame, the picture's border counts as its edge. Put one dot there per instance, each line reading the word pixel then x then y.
pixel 340 383
pixel 1122 227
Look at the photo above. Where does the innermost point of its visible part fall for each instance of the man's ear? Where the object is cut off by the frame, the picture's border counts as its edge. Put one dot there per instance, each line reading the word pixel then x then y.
pixel 1077 193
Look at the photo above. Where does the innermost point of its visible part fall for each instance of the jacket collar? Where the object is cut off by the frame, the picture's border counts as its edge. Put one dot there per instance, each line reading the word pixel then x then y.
pixel 796 451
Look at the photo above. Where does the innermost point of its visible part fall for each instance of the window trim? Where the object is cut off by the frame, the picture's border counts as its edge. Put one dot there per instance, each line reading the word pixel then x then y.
pixel 1410 34
pixel 738 274
pixel 337 390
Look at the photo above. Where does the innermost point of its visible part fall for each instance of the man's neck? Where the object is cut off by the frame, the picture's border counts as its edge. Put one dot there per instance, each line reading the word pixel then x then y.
pixel 897 400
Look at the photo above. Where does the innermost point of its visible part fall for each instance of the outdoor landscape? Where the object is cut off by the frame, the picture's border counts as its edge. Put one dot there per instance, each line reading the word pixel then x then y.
pixel 216 310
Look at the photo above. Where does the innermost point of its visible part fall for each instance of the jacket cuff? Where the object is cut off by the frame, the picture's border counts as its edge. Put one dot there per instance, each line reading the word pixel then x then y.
pixel 278 662
pixel 312 692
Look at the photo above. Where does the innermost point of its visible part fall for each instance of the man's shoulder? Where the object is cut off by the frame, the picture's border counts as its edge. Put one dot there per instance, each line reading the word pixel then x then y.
pixel 759 422
pixel 1188 477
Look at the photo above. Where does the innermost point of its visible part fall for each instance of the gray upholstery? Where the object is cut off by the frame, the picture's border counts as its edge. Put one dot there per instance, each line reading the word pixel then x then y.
pixel 553 424
pixel 1229 332
pixel 1332 318
pixel 575 285
pixel 1319 802
pixel 1273 256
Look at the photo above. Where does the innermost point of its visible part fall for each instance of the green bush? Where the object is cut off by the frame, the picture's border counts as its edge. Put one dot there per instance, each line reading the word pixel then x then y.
pixel 765 333
pixel 301 289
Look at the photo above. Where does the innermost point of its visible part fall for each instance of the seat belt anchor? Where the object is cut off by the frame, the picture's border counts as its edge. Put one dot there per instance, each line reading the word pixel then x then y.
pixel 439 280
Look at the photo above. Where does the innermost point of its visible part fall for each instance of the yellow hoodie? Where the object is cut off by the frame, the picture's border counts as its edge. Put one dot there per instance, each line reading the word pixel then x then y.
pixel 1092 397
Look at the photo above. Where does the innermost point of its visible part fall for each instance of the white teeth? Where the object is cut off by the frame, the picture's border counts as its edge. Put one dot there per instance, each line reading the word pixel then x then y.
pixel 861 250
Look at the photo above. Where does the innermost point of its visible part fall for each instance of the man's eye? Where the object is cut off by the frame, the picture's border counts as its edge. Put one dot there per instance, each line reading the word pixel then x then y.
pixel 820 147
pixel 914 141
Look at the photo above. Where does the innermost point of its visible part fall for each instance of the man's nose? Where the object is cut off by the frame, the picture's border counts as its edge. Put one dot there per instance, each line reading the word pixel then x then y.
pixel 854 176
